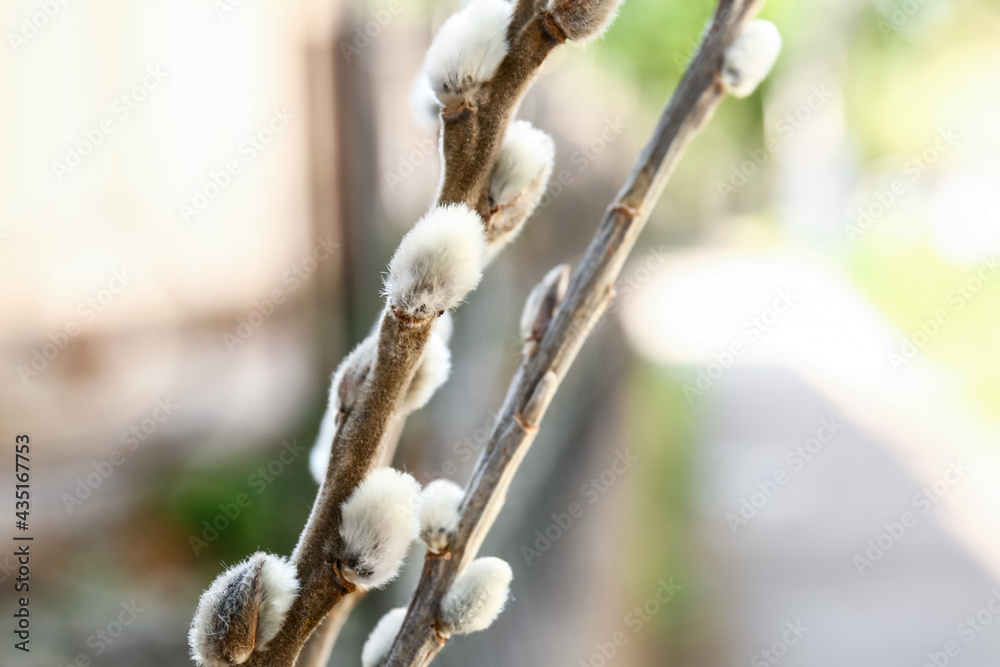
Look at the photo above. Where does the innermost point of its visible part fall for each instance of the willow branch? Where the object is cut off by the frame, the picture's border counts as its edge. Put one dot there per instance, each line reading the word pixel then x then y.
pixel 355 451
pixel 590 291
pixel 319 646
pixel 472 132
pixel 470 140
pixel 317 649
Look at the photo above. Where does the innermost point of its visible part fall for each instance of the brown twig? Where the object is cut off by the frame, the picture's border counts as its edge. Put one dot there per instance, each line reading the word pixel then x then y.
pixel 318 647
pixel 471 137
pixel 472 134
pixel 356 450
pixel 589 293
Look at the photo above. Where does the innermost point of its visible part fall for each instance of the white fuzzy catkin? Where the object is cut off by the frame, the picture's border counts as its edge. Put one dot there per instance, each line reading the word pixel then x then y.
pixel 444 326
pixel 423 102
pixel 280 586
pixel 518 181
pixel 437 263
pixel 319 455
pixel 378 522
pixel 431 373
pixel 439 513
pixel 583 20
pixel 542 303
pixel 344 389
pixel 467 50
pixel 242 610
pixel 750 57
pixel 526 154
pixel 477 597
pixel 381 638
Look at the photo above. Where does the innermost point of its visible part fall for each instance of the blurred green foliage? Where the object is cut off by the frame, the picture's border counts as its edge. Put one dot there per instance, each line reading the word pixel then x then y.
pixel 237 506
pixel 659 426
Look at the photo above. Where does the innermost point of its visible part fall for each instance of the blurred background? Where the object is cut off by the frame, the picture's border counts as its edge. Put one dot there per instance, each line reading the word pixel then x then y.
pixel 784 435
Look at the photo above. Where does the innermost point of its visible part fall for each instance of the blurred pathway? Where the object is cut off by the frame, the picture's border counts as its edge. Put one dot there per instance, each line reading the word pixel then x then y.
pixel 830 557
pixel 787 539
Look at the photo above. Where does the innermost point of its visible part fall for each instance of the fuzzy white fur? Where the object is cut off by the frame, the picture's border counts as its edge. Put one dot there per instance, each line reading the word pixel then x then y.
pixel 750 57
pixel 234 592
pixel 433 371
pixel 352 368
pixel 526 154
pixel 444 326
pixel 280 586
pixel 319 455
pixel 439 513
pixel 424 105
pixel 381 638
pixel 584 20
pixel 554 283
pixel 438 262
pixel 467 50
pixel 378 522
pixel 430 375
pixel 477 597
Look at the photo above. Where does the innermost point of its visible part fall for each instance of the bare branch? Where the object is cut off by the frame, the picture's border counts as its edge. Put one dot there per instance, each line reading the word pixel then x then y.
pixel 317 650
pixel 590 291
pixel 436 265
pixel 356 449
pixel 470 142
pixel 473 131
pixel 318 647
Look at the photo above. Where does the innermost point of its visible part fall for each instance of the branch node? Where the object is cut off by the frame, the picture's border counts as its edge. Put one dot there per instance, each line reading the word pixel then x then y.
pixel 552 28
pixel 631 212
pixel 342 581
pixel 525 426
pixel 458 111
pixel 444 554
pixel 409 319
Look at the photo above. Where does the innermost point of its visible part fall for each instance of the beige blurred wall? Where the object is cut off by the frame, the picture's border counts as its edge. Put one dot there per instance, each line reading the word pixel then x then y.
pixel 126 249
